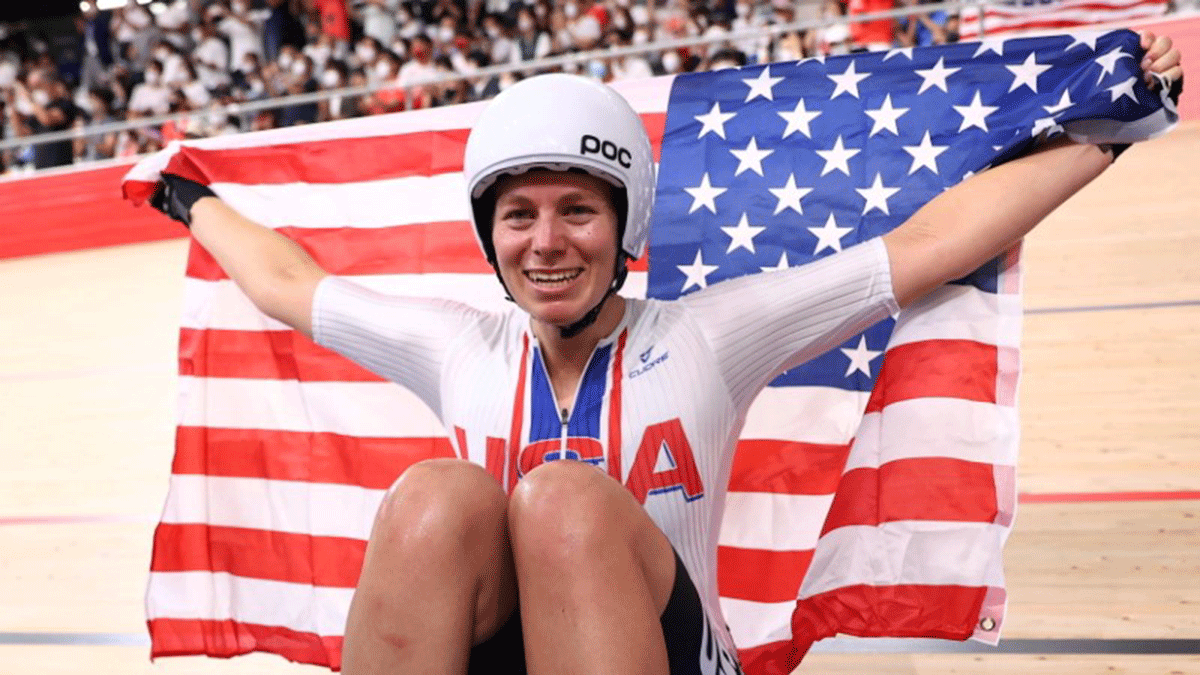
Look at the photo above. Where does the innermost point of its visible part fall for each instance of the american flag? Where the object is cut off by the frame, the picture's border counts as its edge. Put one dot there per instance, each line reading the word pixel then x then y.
pixel 1052 15
pixel 887 464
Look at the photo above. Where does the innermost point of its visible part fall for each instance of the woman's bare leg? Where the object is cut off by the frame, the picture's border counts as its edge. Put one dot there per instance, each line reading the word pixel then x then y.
pixel 438 575
pixel 595 573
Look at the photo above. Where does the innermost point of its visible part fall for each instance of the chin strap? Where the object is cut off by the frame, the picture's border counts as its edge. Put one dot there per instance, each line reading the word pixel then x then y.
pixel 588 319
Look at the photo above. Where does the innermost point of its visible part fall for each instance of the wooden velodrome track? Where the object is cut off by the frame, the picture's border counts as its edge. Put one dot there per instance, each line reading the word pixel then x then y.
pixel 1104 556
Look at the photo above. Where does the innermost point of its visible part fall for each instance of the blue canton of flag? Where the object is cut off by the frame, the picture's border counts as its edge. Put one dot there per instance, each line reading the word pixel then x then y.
pixel 769 167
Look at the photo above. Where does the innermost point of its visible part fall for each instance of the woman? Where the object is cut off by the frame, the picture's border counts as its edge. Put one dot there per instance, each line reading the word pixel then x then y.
pixel 606 563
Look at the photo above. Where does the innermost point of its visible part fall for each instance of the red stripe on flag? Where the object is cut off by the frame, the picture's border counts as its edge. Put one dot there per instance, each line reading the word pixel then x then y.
pixel 962 369
pixel 268 354
pixel 787 467
pixel 343 160
pixel 772 658
pixel 226 638
pixel 402 249
pixel 372 463
pixel 294 558
pixel 903 610
pixel 761 575
pixel 925 488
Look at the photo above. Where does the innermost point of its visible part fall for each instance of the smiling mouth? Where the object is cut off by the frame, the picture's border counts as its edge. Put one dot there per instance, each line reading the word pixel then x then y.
pixel 555 278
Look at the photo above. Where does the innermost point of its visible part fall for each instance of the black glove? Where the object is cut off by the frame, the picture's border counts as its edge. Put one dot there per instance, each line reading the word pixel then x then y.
pixel 175 197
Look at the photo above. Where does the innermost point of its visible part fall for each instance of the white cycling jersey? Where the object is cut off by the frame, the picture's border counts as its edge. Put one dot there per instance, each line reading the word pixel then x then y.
pixel 661 403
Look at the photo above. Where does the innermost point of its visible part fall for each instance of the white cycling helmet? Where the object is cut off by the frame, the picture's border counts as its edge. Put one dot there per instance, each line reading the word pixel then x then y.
pixel 562 122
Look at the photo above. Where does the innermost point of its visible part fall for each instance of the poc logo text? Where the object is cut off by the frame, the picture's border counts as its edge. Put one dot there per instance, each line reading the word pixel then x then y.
pixel 590 145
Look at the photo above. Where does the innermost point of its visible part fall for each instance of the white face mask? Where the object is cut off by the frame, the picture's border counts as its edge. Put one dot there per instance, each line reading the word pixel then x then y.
pixel 399 49
pixel 571 10
pixel 365 53
pixel 640 37
pixel 285 61
pixel 525 23
pixel 239 7
pixel 256 87
pixel 383 70
pixel 329 79
pixel 298 68
pixel 670 61
pixel 248 66
pixel 40 96
pixel 197 36
pixel 445 33
pixel 153 77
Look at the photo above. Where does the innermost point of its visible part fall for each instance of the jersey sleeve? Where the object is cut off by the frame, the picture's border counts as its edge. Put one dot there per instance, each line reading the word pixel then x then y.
pixel 761 325
pixel 403 339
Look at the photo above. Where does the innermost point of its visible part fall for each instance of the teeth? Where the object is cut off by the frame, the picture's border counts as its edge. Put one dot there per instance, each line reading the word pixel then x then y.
pixel 552 277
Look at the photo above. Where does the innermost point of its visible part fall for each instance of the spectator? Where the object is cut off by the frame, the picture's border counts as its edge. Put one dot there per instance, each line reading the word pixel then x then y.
pixel 281 28
pixel 133 26
pixel 497 33
pixel 378 20
pixel 43 105
pixel 749 18
pixel 211 56
pixel 726 58
pixel 96 47
pixel 530 42
pixel 871 35
pixel 152 96
pixel 366 51
pixel 299 80
pixel 419 69
pixel 99 110
pixel 924 29
pixel 193 90
pixel 835 39
pixel 631 67
pixel 245 33
pixel 333 76
pixel 167 54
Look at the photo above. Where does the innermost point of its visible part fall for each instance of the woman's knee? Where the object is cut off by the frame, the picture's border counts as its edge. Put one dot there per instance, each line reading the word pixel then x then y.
pixel 447 501
pixel 567 506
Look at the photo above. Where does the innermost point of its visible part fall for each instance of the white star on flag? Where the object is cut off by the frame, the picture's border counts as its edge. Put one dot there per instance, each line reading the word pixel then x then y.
pixel 1026 74
pixel 986 45
pixel 936 76
pixel 829 235
pixel 742 236
pixel 697 273
pixel 1108 62
pixel 1087 38
pixel 1063 103
pixel 1044 124
pixel 714 120
pixel 975 115
pixel 750 158
pixel 837 158
pixel 925 154
pixel 885 117
pixel 1123 89
pixel 876 195
pixel 906 51
pixel 704 195
pixel 847 82
pixel 789 196
pixel 798 119
pixel 860 357
pixel 762 85
pixel 779 266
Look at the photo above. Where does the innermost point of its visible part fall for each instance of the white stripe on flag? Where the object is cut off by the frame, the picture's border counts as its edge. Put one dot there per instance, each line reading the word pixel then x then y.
pixel 317 509
pixel 826 415
pixel 372 409
pixel 908 552
pixel 220 595
pixel 956 312
pixel 777 522
pixel 937 427
pixel 757 623
pixel 221 304
pixel 365 205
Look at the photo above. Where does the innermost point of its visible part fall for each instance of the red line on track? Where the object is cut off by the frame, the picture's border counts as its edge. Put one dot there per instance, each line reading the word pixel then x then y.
pixel 1066 497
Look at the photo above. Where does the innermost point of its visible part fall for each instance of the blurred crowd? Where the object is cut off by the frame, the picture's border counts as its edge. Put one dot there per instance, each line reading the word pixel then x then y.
pixel 199 56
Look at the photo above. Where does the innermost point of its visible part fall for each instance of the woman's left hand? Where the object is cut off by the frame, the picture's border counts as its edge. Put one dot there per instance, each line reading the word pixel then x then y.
pixel 1161 57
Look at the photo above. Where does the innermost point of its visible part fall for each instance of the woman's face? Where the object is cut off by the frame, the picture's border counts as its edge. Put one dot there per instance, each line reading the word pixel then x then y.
pixel 555 235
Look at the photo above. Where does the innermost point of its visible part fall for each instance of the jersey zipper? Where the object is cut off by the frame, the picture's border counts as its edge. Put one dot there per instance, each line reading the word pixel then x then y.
pixel 562 448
